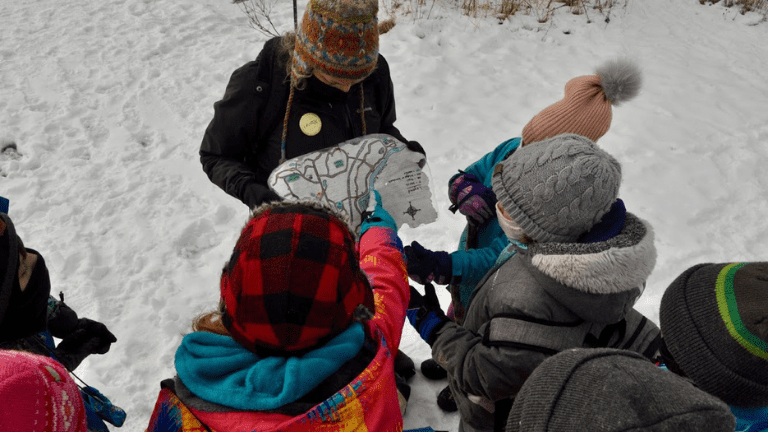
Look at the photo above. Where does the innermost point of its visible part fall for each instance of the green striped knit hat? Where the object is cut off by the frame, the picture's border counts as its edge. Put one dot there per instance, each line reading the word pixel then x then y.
pixel 338 37
pixel 714 318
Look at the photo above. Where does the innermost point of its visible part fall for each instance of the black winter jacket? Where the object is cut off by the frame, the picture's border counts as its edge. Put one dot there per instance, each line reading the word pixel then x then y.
pixel 241 145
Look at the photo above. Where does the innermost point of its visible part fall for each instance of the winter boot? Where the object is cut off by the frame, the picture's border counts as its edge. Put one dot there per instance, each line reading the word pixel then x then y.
pixel 445 400
pixel 403 393
pixel 431 370
pixel 404 366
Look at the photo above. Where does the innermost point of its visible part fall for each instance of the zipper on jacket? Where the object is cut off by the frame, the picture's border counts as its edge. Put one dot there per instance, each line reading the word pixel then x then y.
pixel 350 125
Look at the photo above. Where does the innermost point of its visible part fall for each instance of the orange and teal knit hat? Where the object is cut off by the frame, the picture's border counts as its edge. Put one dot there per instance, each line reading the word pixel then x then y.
pixel 339 38
pixel 293 281
pixel 714 318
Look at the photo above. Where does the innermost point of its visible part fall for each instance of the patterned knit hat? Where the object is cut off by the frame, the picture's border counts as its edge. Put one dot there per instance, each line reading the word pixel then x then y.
pixel 559 188
pixel 337 37
pixel 293 281
pixel 714 318
pixel 586 107
pixel 610 390
pixel 38 395
pixel 9 261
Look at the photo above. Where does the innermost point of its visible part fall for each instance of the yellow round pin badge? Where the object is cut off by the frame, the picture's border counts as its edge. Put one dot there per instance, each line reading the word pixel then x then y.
pixel 310 124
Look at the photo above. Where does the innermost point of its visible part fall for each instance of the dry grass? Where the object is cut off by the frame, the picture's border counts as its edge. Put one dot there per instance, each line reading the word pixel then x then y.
pixel 541 9
pixel 500 9
pixel 259 14
pixel 259 11
pixel 744 5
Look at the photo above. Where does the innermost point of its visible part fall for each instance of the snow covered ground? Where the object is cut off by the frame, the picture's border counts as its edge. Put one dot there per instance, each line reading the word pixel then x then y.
pixel 106 103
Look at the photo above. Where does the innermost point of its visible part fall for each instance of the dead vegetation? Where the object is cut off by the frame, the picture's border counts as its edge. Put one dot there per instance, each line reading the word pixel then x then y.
pixel 743 5
pixel 501 9
pixel 259 11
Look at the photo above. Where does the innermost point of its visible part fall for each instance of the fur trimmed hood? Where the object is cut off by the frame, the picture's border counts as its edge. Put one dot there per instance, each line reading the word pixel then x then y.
pixel 620 264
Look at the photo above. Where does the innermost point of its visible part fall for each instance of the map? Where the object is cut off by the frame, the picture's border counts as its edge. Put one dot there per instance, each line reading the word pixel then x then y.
pixel 342 176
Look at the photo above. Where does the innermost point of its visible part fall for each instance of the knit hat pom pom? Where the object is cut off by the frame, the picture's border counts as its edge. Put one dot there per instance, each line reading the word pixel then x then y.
pixel 621 80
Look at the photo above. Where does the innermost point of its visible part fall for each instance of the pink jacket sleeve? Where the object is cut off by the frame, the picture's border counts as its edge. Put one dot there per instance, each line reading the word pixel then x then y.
pixel 381 258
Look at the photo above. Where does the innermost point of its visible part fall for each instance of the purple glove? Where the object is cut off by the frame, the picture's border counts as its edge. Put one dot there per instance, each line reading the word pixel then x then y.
pixel 471 198
pixel 426 266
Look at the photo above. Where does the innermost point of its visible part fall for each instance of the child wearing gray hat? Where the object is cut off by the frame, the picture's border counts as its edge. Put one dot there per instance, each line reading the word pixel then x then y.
pixel 585 109
pixel 714 319
pixel 610 390
pixel 547 291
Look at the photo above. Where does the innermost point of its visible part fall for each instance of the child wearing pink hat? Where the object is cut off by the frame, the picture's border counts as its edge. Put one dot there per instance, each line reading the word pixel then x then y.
pixel 38 395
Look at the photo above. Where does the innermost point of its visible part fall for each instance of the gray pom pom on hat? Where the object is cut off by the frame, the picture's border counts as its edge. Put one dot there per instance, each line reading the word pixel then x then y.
pixel 558 188
pixel 620 79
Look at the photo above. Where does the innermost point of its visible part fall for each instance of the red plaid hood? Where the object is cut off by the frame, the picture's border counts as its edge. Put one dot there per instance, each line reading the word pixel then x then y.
pixel 293 281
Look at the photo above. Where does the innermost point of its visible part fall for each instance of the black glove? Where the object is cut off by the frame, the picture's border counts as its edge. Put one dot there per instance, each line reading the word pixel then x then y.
pixel 255 196
pixel 90 337
pixel 424 313
pixel 426 266
pixel 62 320
pixel 415 146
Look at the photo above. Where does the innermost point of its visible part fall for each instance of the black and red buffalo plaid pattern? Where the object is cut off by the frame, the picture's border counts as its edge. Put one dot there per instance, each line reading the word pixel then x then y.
pixel 293 280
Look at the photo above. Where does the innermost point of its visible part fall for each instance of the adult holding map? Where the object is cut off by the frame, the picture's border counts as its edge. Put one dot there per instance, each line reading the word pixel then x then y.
pixel 324 84
pixel 306 91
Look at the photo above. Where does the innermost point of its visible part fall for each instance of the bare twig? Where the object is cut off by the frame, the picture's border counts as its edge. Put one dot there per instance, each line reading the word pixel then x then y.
pixel 259 15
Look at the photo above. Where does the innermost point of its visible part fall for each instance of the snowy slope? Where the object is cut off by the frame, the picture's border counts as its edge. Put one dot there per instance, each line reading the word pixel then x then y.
pixel 106 103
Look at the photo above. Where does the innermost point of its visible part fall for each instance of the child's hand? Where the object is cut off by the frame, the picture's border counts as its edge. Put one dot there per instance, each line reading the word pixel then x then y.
pixel 424 313
pixel 472 198
pixel 376 215
pixel 426 266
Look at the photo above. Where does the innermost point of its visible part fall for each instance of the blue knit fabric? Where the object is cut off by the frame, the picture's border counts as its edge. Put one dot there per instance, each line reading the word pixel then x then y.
pixel 747 419
pixel 609 226
pixel 750 419
pixel 218 369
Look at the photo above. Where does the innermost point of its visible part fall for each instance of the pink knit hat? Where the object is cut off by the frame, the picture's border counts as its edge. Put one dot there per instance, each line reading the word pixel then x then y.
pixel 38 395
pixel 586 107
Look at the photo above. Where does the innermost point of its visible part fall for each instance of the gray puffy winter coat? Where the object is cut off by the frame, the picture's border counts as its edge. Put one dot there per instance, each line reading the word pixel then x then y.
pixel 542 299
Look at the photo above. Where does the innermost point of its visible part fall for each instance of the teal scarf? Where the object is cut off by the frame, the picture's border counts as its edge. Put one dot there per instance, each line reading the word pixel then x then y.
pixel 220 370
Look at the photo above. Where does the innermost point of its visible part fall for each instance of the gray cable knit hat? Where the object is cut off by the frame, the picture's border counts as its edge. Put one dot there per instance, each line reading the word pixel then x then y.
pixel 714 318
pixel 558 188
pixel 610 390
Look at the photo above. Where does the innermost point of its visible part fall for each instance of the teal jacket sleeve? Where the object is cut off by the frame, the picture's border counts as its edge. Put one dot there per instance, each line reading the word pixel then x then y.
pixel 473 264
pixel 483 168
pixel 469 266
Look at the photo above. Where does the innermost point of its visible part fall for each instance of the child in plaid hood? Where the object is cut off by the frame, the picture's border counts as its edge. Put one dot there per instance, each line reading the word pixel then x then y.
pixel 306 329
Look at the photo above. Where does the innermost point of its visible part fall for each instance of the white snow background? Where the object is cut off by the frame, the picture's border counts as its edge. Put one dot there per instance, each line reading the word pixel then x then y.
pixel 107 101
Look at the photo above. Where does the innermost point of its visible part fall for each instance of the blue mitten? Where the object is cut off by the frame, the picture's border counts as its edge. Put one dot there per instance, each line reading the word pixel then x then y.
pixel 424 313
pixel 378 217
pixel 426 266
pixel 471 198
